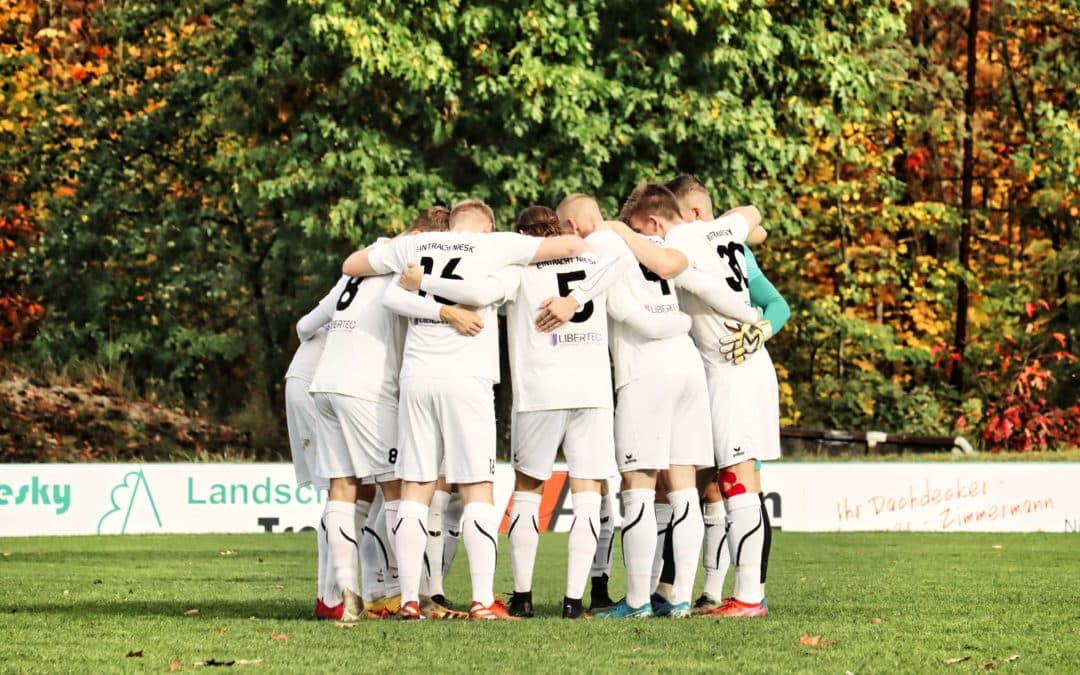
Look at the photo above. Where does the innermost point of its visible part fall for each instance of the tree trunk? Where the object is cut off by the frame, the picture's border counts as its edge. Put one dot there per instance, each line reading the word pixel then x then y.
pixel 966 197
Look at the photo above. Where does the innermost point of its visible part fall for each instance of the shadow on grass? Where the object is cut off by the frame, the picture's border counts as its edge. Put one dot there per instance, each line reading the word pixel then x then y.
pixel 271 608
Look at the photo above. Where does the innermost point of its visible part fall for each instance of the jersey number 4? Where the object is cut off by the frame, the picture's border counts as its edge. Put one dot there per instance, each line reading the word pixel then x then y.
pixel 447 273
pixel 732 251
pixel 564 279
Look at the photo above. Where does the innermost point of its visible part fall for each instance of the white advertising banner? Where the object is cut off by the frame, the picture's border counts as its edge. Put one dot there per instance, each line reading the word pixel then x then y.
pixel 81 499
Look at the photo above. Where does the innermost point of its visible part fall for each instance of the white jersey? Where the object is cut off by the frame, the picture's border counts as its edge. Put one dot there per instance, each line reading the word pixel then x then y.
pixel 435 348
pixel 652 302
pixel 362 357
pixel 567 368
pixel 306 359
pixel 715 248
pixel 312 328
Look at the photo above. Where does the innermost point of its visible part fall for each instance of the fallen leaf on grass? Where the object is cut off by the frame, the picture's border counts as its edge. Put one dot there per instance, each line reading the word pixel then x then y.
pixel 228 551
pixel 252 618
pixel 1014 657
pixel 958 659
pixel 280 636
pixel 7 554
pixel 191 612
pixel 875 620
pixel 343 624
pixel 174 665
pixel 220 630
pixel 67 592
pixel 987 666
pixel 997 546
pixel 814 641
pixel 137 655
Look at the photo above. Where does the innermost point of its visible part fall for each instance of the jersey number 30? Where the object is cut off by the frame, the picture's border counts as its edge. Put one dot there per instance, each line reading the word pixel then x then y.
pixel 732 250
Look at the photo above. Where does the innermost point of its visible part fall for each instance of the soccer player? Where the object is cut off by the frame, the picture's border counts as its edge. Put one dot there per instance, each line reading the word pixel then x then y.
pixel 446 409
pixel 300 419
pixel 355 390
pixel 562 396
pixel 661 419
pixel 696 204
pixel 743 399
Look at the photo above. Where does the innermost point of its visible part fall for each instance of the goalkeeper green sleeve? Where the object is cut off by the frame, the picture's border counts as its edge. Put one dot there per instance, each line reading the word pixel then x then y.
pixel 763 294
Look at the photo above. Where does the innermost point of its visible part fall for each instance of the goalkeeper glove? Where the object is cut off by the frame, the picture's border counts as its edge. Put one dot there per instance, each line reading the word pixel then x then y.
pixel 744 340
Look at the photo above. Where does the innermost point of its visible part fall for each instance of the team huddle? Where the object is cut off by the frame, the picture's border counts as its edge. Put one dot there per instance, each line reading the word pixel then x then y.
pixel 390 406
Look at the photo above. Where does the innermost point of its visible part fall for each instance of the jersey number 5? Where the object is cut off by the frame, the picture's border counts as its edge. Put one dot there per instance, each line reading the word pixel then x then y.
pixel 447 273
pixel 564 279
pixel 732 250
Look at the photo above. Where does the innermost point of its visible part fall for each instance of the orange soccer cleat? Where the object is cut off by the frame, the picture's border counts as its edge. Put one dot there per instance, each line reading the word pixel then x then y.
pixel 737 608
pixel 496 611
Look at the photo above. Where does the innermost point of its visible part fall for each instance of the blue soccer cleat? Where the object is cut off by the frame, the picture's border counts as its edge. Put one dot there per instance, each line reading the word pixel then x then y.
pixel 621 610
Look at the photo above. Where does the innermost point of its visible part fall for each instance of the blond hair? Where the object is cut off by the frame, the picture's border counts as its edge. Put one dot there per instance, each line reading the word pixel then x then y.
pixel 431 219
pixel 467 205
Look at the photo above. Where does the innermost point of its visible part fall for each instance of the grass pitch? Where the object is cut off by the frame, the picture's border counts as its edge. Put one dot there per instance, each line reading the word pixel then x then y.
pixel 839 603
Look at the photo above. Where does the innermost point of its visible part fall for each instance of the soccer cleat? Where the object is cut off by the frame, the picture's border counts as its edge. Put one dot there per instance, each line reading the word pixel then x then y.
pixel 621 610
pixel 324 612
pixel 435 610
pixel 600 599
pixel 664 608
pixel 496 611
pixel 736 608
pixel 521 604
pixel 440 599
pixel 352 606
pixel 572 609
pixel 706 604
pixel 410 611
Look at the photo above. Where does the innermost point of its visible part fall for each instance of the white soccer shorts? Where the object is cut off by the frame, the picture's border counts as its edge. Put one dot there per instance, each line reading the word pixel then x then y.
pixel 359 437
pixel 300 418
pixel 585 434
pixel 370 430
pixel 446 419
pixel 662 418
pixel 745 405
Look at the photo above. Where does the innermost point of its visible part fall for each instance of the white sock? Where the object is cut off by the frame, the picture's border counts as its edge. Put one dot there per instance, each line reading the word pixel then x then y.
pixel 479 529
pixel 687 529
pixel 390 517
pixel 372 553
pixel 451 532
pixel 638 543
pixel 325 584
pixel 433 555
pixel 524 538
pixel 601 564
pixel 341 541
pixel 584 536
pixel 747 529
pixel 410 536
pixel 715 554
pixel 663 520
pixel 360 516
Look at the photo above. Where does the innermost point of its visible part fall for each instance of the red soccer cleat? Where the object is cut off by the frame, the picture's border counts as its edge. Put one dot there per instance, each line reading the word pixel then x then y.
pixel 737 608
pixel 496 611
pixel 324 612
pixel 410 611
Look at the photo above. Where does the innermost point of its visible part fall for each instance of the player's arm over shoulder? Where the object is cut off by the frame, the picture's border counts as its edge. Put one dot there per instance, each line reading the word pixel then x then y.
pixel 380 258
pixel 751 216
